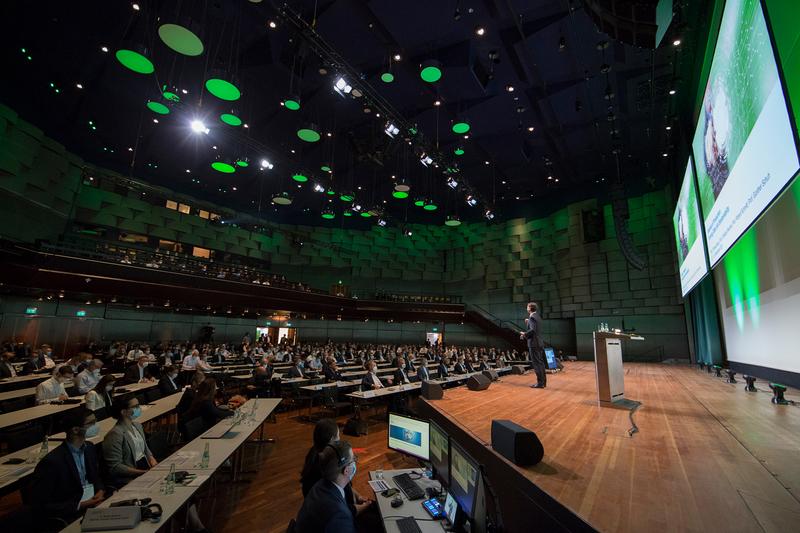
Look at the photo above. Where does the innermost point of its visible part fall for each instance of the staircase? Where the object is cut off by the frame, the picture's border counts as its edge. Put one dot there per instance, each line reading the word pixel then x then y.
pixel 495 326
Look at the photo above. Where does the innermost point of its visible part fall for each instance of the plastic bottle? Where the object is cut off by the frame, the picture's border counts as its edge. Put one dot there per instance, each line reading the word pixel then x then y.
pixel 169 488
pixel 206 456
pixel 45 449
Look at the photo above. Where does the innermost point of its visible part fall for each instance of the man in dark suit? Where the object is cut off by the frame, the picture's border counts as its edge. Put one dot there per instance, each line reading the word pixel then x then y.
pixel 535 346
pixel 400 376
pixel 460 367
pixel 168 384
pixel 340 358
pixel 6 368
pixel 484 364
pixel 443 370
pixel 331 371
pixel 422 371
pixel 324 509
pixel 296 371
pixel 138 373
pixel 371 381
pixel 67 481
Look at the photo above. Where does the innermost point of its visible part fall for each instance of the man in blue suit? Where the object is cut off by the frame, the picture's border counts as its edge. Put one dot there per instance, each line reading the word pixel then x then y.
pixel 535 347
pixel 325 509
pixel 422 371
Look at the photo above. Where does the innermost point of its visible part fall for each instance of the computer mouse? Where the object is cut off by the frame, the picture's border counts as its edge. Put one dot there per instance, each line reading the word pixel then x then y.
pixel 397 502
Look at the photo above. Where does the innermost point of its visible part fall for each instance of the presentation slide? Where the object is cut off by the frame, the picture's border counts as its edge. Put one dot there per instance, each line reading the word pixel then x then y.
pixel 758 284
pixel 686 222
pixel 463 479
pixel 409 435
pixel 743 146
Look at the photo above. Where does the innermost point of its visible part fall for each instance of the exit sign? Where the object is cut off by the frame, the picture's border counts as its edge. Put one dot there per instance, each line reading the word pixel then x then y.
pixel 435 329
pixel 80 312
pixel 31 310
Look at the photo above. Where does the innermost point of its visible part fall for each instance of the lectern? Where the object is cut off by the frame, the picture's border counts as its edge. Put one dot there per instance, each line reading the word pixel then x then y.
pixel 608 365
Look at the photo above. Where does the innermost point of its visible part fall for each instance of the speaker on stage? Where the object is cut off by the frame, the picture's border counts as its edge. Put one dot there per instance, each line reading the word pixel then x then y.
pixel 518 369
pixel 478 382
pixel 519 445
pixel 432 391
pixel 491 374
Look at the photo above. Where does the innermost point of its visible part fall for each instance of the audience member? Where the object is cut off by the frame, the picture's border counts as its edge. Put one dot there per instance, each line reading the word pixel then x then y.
pixel 325 508
pixel 204 406
pixel 6 368
pixel 53 389
pixel 139 372
pixel 125 446
pixel 168 384
pixel 100 396
pixel 89 376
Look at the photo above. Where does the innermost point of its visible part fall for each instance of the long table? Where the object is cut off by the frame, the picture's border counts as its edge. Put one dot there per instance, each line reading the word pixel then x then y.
pixel 148 485
pixel 31 391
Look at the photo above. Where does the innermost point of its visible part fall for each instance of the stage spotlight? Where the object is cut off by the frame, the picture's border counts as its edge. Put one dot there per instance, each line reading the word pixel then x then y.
pixel 272 24
pixel 408 233
pixel 777 394
pixel 382 222
pixel 731 376
pixel 318 188
pixel 751 384
pixel 391 130
pixel 425 159
pixel 357 208
pixel 199 127
pixel 342 87
pixel 472 201
pixel 489 214
pixel 266 164
pixel 452 182
pixel 397 57
pixel 480 31
pixel 676 42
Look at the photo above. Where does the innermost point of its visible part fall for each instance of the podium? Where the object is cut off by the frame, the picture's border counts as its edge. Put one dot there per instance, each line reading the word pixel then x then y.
pixel 608 365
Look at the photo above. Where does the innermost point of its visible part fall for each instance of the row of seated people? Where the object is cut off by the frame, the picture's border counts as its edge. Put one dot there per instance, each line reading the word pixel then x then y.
pixel 54 495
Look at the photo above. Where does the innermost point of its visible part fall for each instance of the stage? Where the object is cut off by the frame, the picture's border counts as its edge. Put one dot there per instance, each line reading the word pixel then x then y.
pixel 707 455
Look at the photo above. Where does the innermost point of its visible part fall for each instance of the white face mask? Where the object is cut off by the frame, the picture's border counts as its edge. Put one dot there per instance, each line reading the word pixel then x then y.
pixel 109 388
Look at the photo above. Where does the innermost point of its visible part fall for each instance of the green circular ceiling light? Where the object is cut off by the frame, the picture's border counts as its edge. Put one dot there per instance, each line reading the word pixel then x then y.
pixel 347 197
pixel 366 214
pixel 180 39
pixel 134 61
pixel 325 168
pixel 308 133
pixel 223 167
pixel 328 215
pixel 282 199
pixel 157 107
pixel 460 127
pixel 292 103
pixel 224 90
pixel 230 119
pixel 242 162
pixel 430 71
pixel 387 77
pixel 348 213
pixel 299 177
pixel 331 192
pixel 419 202
pixel 430 206
pixel 452 221
pixel 171 95
pixel 458 151
pixel 400 195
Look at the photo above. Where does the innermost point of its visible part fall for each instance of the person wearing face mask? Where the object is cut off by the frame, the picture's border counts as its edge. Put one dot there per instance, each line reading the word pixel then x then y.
pixel 422 371
pixel 6 368
pixel 168 384
pixel 53 389
pixel 325 507
pixel 125 448
pixel 296 371
pixel 371 381
pixel 90 376
pixel 46 357
pixel 444 371
pixel 67 481
pixel 400 375
pixel 100 398
pixel 139 372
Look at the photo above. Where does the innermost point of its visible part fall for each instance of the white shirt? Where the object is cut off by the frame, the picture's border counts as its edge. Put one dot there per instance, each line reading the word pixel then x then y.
pixel 87 380
pixel 134 354
pixel 375 380
pixel 49 390
pixel 190 362
pixel 94 401
pixel 137 443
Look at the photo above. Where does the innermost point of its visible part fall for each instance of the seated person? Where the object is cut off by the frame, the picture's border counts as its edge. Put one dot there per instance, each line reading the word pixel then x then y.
pixel 204 406
pixel 460 367
pixel 89 376
pixel 422 371
pixel 484 364
pixel 468 365
pixel 400 376
pixel 6 368
pixel 52 390
pixel 168 384
pixel 188 394
pixel 371 381
pixel 100 397
pixel 443 368
pixel 67 481
pixel 139 372
pixel 331 371
pixel 325 508
pixel 125 446
pixel 296 371
pixel 190 362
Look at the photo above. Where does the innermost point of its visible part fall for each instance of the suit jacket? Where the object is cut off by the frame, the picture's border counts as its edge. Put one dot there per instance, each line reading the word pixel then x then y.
pixel 132 374
pixel 331 374
pixel 410 366
pixel 31 366
pixel 468 366
pixel 366 381
pixel 483 365
pixel 400 377
pixel 459 368
pixel 534 332
pixel 118 450
pixel 325 510
pixel 5 369
pixel 166 387
pixel 443 372
pixel 423 374
pixel 295 372
pixel 55 488
pixel 340 359
pixel 210 413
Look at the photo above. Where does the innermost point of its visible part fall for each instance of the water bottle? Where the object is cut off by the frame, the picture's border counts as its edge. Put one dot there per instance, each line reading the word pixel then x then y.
pixel 169 488
pixel 205 458
pixel 45 449
pixel 253 410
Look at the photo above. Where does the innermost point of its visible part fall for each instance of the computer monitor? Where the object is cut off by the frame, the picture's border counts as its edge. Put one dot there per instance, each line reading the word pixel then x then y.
pixel 450 509
pixel 409 435
pixel 440 453
pixel 550 356
pixel 464 476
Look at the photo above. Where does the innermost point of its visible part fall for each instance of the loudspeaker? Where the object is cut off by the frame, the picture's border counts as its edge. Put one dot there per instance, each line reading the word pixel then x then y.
pixel 491 374
pixel 518 369
pixel 478 382
pixel 432 391
pixel 519 445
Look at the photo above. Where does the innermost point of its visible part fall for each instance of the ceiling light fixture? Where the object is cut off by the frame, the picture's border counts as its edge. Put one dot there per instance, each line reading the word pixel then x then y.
pixel 460 126
pixel 342 87
pixel 676 42
pixel 472 201
pixel 198 126
pixel 480 31
pixel 391 130
pixel 425 159
pixel 282 198
pixel 452 183
pixel 452 221
pixel 397 57
pixel 458 150
pixel 510 88
pixel 328 214
pixel 291 102
pixel 272 24
pixel 430 71
pixel 309 133
pixel 318 188
pixel 266 164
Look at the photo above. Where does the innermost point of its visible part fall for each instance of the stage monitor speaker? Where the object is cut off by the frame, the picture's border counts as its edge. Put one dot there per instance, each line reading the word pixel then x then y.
pixel 518 369
pixel 519 445
pixel 432 391
pixel 478 382
pixel 491 374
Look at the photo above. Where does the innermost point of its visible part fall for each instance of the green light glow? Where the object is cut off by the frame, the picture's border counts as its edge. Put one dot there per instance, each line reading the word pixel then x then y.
pixel 134 61
pixel 387 77
pixel 325 168
pixel 224 90
pixel 157 107
pixel 331 192
pixel 171 96
pixel 348 213
pixel 225 168
pixel 460 127
pixel 741 270
pixel 400 194
pixel 366 214
pixel 419 203
pixel 430 74
pixel 347 197
pixel 452 222
pixel 308 135
pixel 291 104
pixel 328 216
pixel 242 163
pixel 299 177
pixel 180 39
pixel 230 119
pixel 459 151
pixel 430 207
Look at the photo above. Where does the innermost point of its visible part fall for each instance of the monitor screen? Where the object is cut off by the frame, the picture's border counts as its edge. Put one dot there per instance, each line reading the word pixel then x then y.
pixel 744 147
pixel 688 236
pixel 409 435
pixel 450 508
pixel 550 355
pixel 440 453
pixel 463 478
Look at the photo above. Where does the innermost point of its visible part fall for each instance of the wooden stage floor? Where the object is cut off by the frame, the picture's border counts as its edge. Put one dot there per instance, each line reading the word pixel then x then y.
pixel 708 456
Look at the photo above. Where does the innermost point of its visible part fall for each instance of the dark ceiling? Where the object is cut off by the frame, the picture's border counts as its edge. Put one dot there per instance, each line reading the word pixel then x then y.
pixel 572 84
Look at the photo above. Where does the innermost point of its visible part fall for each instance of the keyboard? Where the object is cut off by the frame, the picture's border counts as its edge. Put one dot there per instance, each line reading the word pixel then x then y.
pixel 408 525
pixel 409 487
